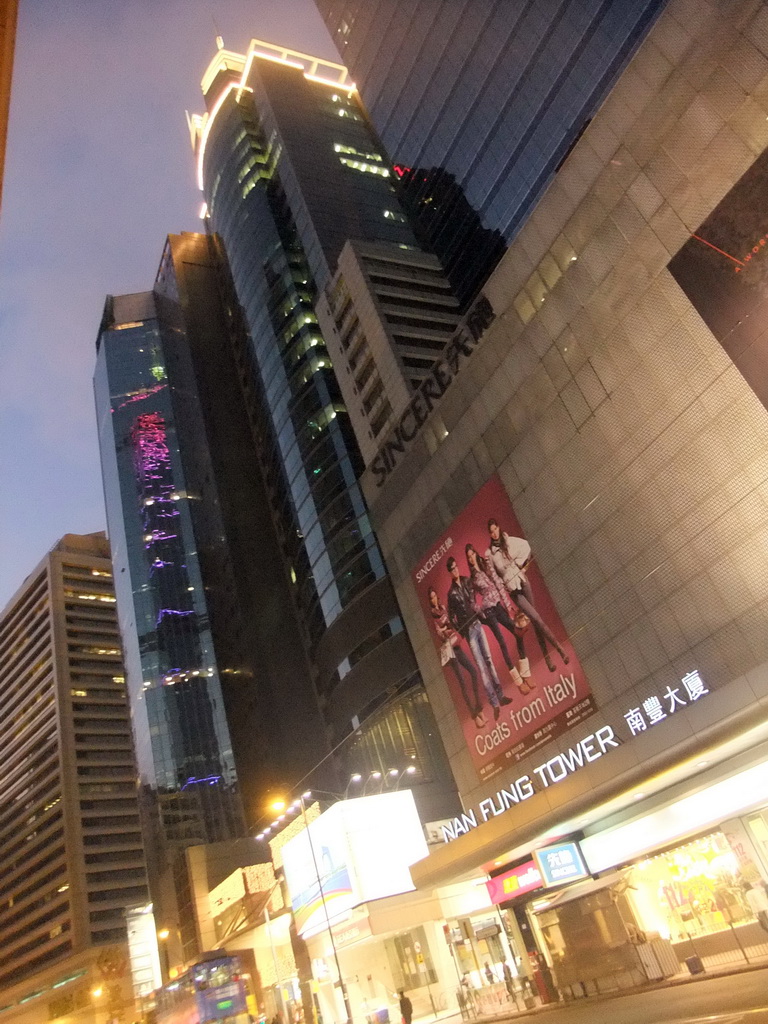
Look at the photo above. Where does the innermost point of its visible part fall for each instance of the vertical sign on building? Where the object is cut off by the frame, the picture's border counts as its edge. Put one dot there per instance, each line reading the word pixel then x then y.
pixel 512 672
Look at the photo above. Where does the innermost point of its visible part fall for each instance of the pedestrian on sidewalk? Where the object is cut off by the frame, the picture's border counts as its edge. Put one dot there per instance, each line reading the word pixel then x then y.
pixel 406 1008
pixel 507 972
pixel 758 903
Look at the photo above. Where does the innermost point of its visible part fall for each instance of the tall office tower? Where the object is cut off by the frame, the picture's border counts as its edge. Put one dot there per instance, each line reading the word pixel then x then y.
pixel 291 171
pixel 223 704
pixel 183 747
pixel 493 93
pixel 8 15
pixel 70 845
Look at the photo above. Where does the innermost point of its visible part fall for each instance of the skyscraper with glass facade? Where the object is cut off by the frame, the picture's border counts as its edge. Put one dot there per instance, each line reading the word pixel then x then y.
pixel 223 704
pixel 183 746
pixel 290 171
pixel 217 671
pixel 493 93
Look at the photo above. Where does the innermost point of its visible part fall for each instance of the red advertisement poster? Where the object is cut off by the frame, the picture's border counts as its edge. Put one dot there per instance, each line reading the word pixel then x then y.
pixel 513 674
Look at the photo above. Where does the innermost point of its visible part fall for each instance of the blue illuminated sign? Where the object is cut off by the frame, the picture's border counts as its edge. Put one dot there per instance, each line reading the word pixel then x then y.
pixel 560 863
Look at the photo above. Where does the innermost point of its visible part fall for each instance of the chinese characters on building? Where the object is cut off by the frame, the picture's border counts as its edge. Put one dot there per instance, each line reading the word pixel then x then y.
pixel 655 709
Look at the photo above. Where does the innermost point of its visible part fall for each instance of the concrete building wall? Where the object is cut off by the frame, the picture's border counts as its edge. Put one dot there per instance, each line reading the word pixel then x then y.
pixel 386 316
pixel 70 843
pixel 631 447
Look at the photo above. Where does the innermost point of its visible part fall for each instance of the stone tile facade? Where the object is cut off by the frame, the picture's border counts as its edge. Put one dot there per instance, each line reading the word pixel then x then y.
pixel 634 453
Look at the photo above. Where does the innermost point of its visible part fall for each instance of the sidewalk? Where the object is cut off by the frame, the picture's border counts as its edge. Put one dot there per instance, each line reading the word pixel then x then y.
pixel 679 980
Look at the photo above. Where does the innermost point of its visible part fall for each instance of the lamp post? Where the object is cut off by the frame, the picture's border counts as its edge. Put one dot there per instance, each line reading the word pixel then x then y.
pixel 342 985
pixel 279 1001
pixel 393 776
pixel 409 771
pixel 164 935
pixel 376 776
pixel 357 777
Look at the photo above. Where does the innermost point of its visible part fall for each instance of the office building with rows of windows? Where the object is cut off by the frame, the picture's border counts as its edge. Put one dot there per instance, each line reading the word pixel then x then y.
pixel 70 840
pixel 387 316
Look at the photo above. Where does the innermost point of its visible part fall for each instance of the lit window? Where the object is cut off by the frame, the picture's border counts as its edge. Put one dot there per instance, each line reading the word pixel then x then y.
pixel 359 165
pixel 375 157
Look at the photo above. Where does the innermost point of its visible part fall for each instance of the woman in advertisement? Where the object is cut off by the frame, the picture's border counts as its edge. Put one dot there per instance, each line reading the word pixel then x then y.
pixel 465 620
pixel 453 654
pixel 494 614
pixel 509 556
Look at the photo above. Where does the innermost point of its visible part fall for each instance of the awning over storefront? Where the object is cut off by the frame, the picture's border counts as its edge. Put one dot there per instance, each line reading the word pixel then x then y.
pixel 663 776
pixel 576 891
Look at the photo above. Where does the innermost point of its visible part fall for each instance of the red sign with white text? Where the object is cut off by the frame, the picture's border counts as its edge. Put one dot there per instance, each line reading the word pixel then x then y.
pixel 523 878
pixel 514 677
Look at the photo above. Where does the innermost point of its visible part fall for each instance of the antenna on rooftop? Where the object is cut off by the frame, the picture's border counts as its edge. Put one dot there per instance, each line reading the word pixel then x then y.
pixel 219 36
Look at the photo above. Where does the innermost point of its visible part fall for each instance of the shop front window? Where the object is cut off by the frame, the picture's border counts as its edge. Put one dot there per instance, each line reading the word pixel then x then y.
pixel 696 889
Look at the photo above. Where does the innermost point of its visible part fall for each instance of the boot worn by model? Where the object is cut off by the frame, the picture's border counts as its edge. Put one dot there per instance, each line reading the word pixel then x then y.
pixel 518 680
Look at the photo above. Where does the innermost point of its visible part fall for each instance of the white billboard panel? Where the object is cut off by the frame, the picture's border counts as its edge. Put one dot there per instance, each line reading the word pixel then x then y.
pixel 362 850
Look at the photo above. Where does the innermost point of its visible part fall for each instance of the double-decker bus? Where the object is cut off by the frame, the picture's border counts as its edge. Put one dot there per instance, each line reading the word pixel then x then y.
pixel 212 991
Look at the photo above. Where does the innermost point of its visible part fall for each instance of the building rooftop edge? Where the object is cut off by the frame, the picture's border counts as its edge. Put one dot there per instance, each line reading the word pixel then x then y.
pixel 314 66
pixel 93 545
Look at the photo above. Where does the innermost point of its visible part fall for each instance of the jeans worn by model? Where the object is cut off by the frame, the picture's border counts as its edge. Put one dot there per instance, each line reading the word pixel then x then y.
pixel 523 598
pixel 496 616
pixel 458 662
pixel 478 644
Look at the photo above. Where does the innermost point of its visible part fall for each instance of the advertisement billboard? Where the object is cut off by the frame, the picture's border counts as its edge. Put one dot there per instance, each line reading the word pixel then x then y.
pixel 357 851
pixel 512 672
pixel 723 269
pixel 515 882
pixel 317 872
pixel 560 863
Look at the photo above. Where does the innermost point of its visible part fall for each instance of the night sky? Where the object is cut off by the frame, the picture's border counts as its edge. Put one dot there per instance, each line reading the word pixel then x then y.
pixel 99 169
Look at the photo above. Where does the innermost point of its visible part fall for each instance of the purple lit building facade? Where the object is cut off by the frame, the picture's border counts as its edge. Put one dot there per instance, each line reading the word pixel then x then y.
pixel 183 746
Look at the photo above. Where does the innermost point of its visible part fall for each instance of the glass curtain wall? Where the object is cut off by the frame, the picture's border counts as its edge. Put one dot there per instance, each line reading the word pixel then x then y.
pixel 183 746
pixel 313 461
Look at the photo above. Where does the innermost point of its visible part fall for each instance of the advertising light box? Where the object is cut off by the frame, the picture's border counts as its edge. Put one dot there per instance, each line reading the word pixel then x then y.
pixel 513 675
pixel 560 863
pixel 356 851
pixel 524 878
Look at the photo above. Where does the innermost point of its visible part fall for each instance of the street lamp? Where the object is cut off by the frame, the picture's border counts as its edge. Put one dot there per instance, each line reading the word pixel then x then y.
pixel 164 935
pixel 373 775
pixel 357 777
pixel 410 770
